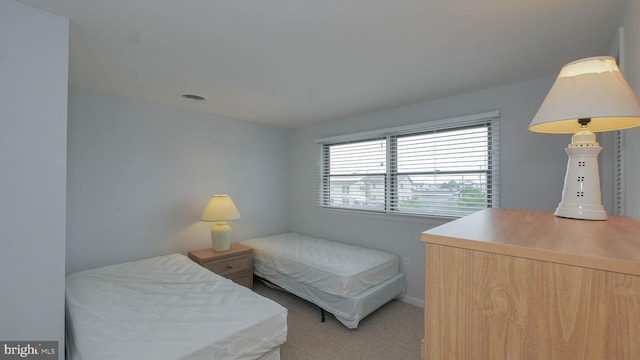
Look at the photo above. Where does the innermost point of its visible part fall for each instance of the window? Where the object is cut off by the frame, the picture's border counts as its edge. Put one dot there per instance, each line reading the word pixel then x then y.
pixel 445 168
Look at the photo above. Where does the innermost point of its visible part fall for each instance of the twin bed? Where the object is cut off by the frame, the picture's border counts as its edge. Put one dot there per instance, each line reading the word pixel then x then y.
pixel 346 280
pixel 169 307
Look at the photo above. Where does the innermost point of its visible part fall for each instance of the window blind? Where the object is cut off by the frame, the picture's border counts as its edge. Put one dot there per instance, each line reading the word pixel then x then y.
pixel 619 190
pixel 447 168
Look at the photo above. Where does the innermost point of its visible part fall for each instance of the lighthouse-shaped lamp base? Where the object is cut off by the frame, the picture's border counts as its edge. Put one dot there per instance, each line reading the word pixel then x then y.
pixel 581 193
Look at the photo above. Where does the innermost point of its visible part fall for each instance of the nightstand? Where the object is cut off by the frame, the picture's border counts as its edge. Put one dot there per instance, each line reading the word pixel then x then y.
pixel 235 264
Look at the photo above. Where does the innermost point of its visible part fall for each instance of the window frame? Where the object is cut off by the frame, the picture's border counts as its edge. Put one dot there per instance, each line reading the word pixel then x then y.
pixel 391 187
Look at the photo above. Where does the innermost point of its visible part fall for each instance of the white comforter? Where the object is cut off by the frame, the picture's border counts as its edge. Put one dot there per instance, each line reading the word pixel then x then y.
pixel 168 307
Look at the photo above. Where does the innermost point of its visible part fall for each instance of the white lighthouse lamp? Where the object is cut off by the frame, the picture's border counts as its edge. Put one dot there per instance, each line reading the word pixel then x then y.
pixel 589 95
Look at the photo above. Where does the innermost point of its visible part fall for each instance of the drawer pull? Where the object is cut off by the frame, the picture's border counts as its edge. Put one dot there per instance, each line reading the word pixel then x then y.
pixel 229 267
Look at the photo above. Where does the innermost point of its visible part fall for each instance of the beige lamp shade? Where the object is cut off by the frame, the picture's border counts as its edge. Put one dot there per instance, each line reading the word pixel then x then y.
pixel 220 208
pixel 591 88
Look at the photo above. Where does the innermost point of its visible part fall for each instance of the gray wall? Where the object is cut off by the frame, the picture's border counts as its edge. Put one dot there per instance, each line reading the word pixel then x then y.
pixel 532 168
pixel 140 175
pixel 33 136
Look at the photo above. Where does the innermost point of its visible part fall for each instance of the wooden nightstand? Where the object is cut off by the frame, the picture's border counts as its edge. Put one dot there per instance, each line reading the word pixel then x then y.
pixel 235 264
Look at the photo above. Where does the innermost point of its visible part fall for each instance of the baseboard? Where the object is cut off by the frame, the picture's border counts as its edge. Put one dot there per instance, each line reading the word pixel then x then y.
pixel 413 301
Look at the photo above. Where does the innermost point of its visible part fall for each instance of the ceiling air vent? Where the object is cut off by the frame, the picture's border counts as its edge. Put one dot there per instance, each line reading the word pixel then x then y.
pixel 193 97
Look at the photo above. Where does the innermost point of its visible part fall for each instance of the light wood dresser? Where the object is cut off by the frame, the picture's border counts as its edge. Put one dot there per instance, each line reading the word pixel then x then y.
pixel 517 284
pixel 235 264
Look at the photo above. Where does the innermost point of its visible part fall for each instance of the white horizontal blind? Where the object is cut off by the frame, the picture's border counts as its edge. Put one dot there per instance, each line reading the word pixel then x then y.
pixel 446 168
pixel 355 175
pixel 619 196
pixel 619 204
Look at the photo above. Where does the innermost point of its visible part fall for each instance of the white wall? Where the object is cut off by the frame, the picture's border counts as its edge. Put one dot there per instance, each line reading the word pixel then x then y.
pixel 631 25
pixel 532 168
pixel 140 175
pixel 33 135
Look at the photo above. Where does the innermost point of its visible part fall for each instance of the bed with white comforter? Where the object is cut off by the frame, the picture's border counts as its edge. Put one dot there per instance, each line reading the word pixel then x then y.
pixel 346 280
pixel 168 307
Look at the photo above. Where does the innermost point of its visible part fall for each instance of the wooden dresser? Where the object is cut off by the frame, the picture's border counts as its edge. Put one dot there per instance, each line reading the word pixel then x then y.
pixel 516 284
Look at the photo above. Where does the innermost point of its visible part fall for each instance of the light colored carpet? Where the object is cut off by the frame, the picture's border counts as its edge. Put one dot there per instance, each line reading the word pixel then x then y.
pixel 393 332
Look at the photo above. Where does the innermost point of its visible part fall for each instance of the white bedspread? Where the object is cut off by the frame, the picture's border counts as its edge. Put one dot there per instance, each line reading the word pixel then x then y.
pixel 168 307
pixel 335 268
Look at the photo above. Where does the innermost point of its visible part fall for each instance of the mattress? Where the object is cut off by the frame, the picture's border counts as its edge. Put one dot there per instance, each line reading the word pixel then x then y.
pixel 168 307
pixel 335 268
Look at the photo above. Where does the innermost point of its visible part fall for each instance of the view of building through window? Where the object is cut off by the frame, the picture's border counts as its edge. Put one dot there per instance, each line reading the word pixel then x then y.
pixel 445 172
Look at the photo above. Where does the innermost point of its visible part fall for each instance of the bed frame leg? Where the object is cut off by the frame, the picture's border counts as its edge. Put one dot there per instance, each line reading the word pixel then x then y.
pixel 322 314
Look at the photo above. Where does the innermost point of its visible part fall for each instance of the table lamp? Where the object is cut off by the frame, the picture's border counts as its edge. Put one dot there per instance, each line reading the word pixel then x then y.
pixel 589 95
pixel 220 208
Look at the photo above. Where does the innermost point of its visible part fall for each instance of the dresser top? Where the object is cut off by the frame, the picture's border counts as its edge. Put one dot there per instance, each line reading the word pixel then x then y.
pixel 611 245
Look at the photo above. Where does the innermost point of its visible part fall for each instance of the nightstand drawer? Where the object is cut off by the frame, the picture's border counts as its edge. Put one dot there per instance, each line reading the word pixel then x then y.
pixel 244 279
pixel 231 265
pixel 235 264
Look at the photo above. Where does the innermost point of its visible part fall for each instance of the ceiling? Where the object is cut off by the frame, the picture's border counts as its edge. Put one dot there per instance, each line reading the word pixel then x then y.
pixel 293 63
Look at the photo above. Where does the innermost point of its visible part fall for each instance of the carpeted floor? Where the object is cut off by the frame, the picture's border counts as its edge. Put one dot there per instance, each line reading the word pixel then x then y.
pixel 393 332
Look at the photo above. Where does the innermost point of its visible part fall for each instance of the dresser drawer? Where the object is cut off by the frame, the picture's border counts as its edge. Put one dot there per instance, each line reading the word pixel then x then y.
pixel 231 265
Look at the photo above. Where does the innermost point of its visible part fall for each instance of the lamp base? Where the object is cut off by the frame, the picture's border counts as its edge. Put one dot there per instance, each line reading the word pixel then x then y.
pixel 583 212
pixel 221 236
pixel 581 193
